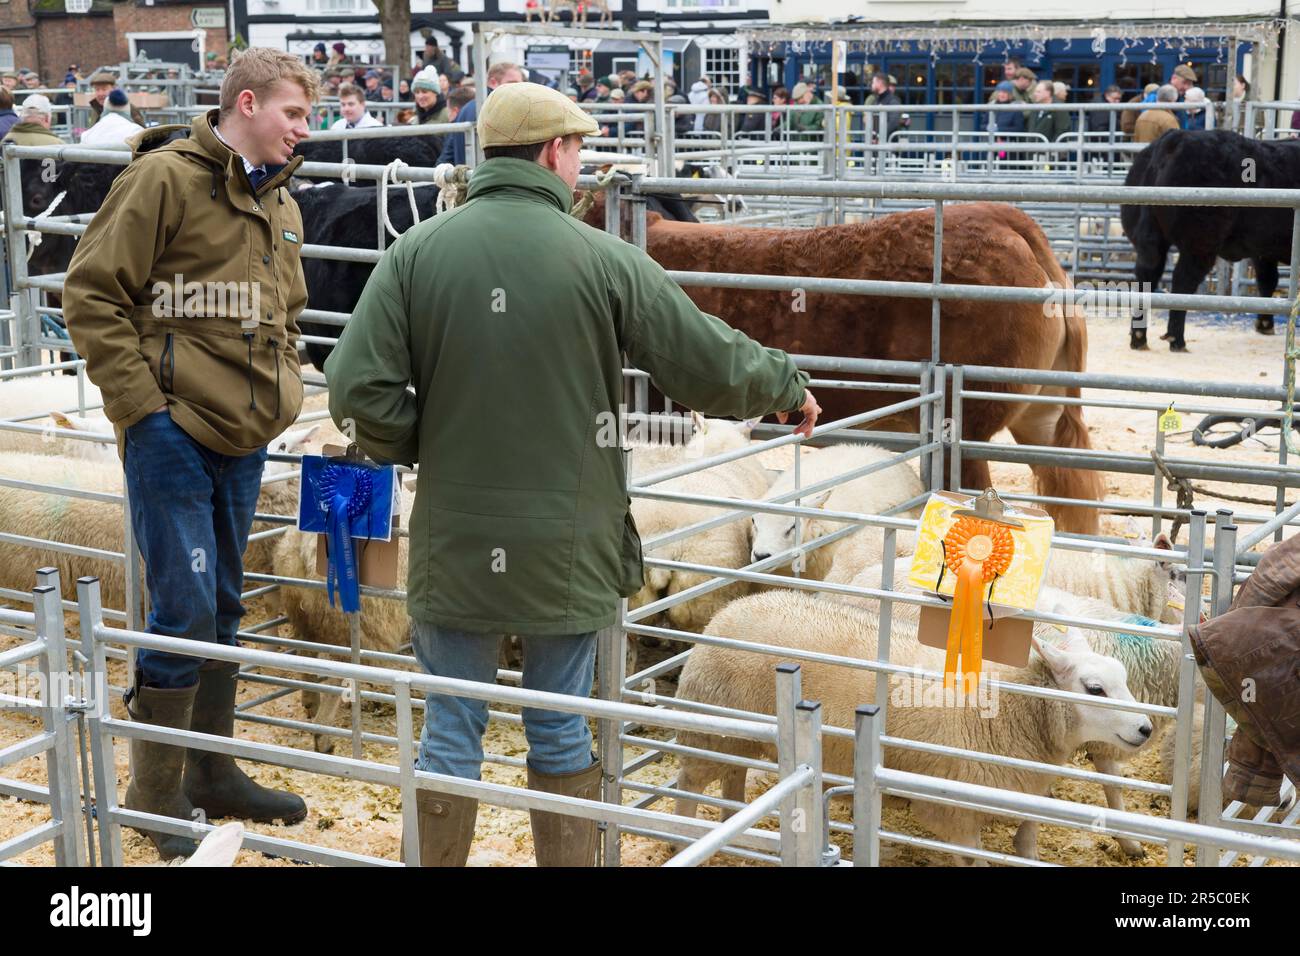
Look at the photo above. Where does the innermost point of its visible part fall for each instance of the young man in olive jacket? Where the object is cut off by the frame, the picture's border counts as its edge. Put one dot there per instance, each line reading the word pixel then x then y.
pixel 183 297
pixel 521 522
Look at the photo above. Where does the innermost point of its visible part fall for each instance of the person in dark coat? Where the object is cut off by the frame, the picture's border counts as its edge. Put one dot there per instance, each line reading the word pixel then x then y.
pixel 7 115
pixel 1006 121
pixel 1248 658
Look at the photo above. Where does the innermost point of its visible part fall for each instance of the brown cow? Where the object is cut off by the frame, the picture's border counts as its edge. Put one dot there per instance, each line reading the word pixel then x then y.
pixel 983 244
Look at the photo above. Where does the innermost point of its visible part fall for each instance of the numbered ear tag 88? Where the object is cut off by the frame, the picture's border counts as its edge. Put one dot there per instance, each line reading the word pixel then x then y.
pixel 1170 420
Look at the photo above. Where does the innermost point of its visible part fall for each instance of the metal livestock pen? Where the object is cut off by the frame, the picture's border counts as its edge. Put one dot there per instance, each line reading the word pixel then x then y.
pixel 618 721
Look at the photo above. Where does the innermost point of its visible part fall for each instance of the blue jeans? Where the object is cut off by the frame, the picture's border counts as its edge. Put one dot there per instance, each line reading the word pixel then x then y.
pixel 191 509
pixel 452 739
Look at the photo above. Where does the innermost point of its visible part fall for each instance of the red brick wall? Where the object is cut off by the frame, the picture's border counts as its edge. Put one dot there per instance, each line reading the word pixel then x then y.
pixel 129 18
pixel 85 40
pixel 18 29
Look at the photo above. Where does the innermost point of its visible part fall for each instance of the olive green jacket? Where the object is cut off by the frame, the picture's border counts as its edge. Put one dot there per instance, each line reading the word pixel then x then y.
pixel 186 290
pixel 30 133
pixel 487 346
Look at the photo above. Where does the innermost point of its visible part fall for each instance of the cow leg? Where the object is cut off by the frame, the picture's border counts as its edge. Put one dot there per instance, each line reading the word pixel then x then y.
pixel 1188 276
pixel 1266 279
pixel 975 474
pixel 1152 251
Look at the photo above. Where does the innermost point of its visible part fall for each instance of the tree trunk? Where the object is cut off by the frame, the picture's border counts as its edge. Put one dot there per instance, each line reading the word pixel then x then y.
pixel 395 20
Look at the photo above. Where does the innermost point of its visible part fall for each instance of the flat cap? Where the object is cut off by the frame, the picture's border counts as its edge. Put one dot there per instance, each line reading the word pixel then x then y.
pixel 799 90
pixel 103 76
pixel 1025 73
pixel 521 114
pixel 1183 71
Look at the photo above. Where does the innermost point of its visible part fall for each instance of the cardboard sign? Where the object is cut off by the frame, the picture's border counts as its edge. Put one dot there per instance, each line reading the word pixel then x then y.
pixel 1006 639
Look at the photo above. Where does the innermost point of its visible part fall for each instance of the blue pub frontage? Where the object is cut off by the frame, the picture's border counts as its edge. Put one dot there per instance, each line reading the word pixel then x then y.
pixel 965 71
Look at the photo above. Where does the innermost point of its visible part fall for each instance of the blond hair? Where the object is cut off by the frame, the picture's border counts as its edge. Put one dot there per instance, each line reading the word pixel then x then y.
pixel 497 71
pixel 259 68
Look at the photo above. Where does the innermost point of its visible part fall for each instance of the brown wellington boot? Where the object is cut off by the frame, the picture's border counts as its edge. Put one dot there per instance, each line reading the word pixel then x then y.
pixel 156 769
pixel 558 838
pixel 214 781
pixel 446 828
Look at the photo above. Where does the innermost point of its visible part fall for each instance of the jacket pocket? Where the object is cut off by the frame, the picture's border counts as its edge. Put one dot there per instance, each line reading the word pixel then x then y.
pixel 632 575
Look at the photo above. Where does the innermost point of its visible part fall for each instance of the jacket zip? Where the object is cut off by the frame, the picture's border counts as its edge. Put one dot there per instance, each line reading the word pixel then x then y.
pixel 252 399
pixel 168 361
pixel 275 357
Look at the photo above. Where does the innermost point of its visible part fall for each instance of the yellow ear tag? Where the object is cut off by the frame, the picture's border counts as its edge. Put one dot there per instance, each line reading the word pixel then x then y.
pixel 1171 421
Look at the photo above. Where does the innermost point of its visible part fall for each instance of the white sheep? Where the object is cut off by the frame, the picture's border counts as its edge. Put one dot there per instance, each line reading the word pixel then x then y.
pixel 1133 585
pixel 870 494
pixel 98 524
pixel 726 546
pixel 385 625
pixel 48 401
pixel 1030 728
pixel 28 395
pixel 1151 663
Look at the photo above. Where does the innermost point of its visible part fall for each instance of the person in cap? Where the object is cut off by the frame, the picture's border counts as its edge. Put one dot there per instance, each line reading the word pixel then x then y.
pixel 545 551
pixel 33 126
pixel 499 74
pixel 617 95
pixel 434 57
pixel 1183 79
pixel 114 127
pixel 32 80
pixel 373 79
pixel 805 121
pixel 10 80
pixel 194 395
pixel 320 58
pixel 602 89
pixel 101 84
pixel 586 88
pixel 753 122
pixel 338 54
pixel 430 104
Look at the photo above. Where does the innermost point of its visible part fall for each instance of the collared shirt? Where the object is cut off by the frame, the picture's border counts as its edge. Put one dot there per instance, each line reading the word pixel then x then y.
pixel 248 167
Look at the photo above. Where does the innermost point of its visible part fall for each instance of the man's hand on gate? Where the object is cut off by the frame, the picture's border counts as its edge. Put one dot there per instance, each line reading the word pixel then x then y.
pixel 809 409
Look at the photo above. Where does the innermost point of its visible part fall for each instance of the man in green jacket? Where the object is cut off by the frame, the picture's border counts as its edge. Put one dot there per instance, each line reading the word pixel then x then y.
pixel 805 121
pixel 33 126
pixel 183 297
pixel 522 522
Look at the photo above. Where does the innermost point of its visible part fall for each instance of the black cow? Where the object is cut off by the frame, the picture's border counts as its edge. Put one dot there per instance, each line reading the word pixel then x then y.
pixel 380 151
pixel 335 215
pixel 1215 158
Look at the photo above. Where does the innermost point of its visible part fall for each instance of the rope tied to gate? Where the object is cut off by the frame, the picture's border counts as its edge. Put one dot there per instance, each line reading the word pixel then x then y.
pixel 588 197
pixel 390 172
pixel 453 185
pixel 34 237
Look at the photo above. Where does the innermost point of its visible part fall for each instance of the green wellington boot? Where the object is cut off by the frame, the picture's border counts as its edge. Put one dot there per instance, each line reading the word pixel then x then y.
pixel 558 838
pixel 156 769
pixel 446 828
pixel 213 781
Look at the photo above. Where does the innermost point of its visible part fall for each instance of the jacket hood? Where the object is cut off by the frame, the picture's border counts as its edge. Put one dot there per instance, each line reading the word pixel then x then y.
pixel 505 174
pixel 200 143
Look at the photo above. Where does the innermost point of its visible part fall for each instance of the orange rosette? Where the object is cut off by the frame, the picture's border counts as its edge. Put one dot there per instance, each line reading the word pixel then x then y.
pixel 977 551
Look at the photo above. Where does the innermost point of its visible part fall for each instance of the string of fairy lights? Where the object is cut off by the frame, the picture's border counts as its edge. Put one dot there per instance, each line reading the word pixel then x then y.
pixel 994 41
